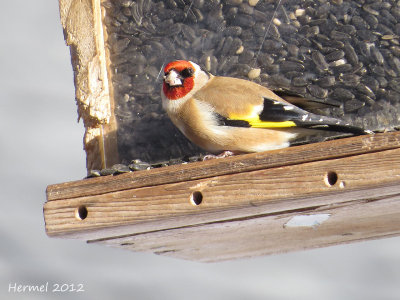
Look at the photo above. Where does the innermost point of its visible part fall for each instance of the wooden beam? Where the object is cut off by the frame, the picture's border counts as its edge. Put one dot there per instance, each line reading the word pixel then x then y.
pixel 353 182
pixel 230 165
pixel 84 34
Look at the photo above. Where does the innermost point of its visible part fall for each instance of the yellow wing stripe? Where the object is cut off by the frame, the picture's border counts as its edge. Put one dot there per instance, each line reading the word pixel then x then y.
pixel 255 122
pixel 262 124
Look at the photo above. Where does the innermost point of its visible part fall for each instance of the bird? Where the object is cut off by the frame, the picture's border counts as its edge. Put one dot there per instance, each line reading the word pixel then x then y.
pixel 233 115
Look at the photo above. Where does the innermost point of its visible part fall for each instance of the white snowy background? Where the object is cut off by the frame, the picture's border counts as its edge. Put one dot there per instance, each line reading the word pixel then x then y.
pixel 41 144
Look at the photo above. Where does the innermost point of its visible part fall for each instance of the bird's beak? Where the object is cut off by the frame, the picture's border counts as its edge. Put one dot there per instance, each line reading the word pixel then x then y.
pixel 173 78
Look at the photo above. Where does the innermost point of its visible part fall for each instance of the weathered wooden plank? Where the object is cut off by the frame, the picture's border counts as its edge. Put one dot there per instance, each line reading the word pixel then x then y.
pixel 255 236
pixel 83 31
pixel 242 163
pixel 224 197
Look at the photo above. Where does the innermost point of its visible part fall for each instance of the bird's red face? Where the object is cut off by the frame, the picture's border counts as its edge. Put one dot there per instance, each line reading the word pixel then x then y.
pixel 178 79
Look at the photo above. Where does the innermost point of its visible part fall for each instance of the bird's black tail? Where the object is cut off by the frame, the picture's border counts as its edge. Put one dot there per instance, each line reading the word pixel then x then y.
pixel 344 128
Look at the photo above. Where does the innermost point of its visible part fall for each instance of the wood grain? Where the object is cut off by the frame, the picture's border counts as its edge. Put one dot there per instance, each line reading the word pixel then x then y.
pixel 224 197
pixel 82 22
pixel 242 163
pixel 348 222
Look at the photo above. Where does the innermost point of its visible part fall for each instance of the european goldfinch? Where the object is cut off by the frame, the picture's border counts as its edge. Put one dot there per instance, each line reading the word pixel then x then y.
pixel 231 114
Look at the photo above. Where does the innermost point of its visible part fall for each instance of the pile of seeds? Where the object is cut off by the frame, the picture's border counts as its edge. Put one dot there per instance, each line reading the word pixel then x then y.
pixel 345 53
pixel 139 165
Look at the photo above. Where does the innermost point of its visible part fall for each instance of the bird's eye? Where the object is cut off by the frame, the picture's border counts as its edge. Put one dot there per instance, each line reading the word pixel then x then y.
pixel 188 72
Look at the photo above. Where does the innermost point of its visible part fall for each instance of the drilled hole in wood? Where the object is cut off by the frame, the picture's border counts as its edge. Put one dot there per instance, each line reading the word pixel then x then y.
pixel 81 212
pixel 196 198
pixel 331 178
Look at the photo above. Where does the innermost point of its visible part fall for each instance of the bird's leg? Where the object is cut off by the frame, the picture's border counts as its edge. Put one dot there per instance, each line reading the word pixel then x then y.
pixel 222 155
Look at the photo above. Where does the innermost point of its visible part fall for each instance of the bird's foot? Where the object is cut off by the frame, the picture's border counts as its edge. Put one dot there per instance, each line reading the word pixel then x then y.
pixel 222 155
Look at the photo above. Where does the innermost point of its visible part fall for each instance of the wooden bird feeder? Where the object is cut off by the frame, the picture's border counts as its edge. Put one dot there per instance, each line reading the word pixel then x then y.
pixel 307 196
